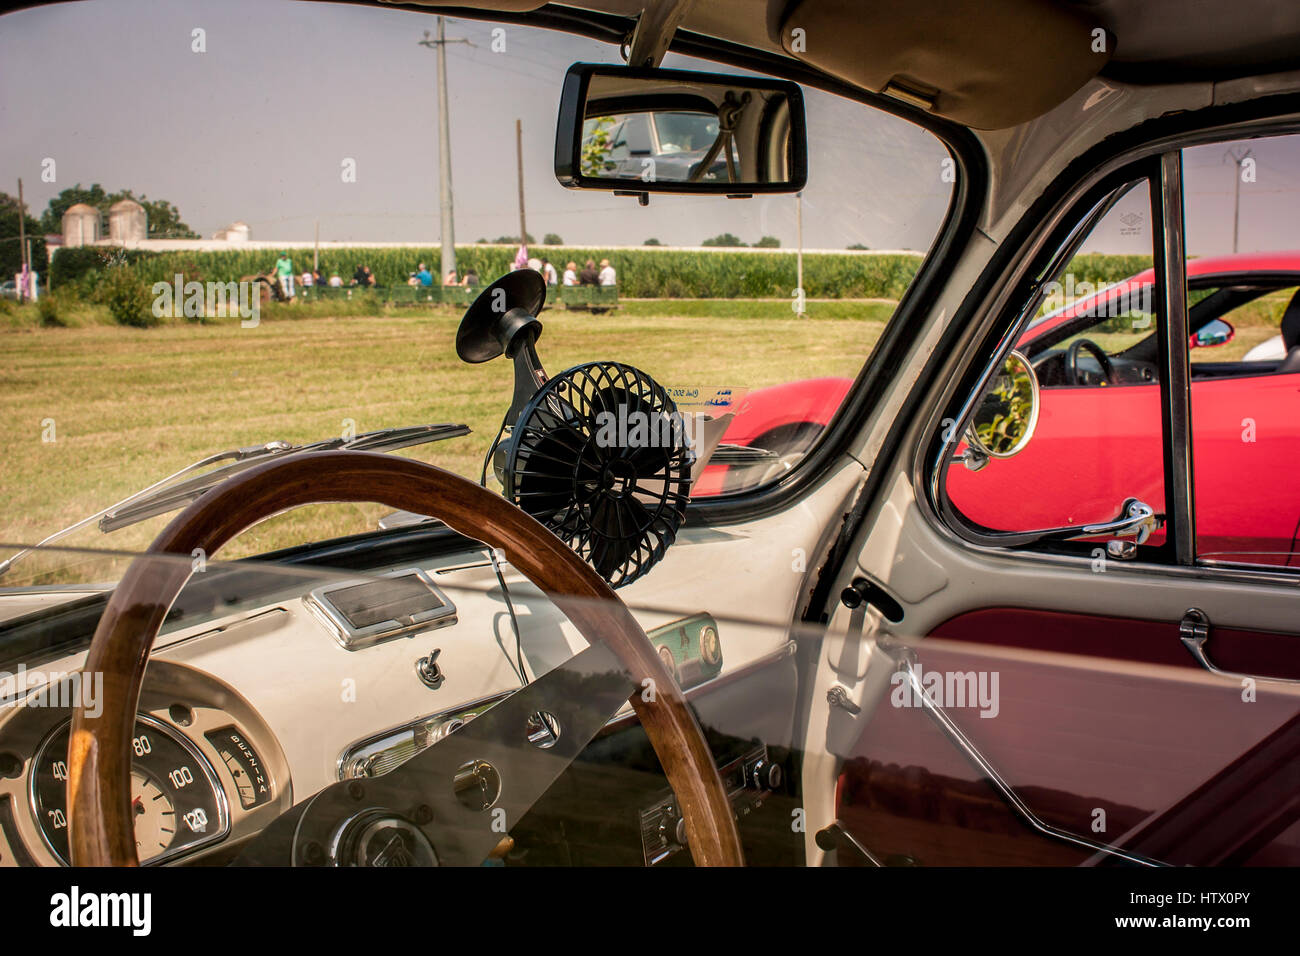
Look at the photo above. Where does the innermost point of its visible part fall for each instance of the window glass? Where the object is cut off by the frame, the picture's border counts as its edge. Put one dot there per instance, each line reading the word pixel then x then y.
pixel 1093 348
pixel 1242 203
pixel 304 177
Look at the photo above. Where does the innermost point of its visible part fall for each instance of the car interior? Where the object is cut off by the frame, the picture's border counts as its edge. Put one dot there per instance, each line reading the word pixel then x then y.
pixel 625 603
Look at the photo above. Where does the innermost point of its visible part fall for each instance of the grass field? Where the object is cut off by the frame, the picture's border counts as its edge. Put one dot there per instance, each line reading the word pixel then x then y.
pixel 129 406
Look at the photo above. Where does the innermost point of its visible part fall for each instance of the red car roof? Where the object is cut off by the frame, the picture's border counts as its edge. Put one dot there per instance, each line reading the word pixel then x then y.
pixel 1242 263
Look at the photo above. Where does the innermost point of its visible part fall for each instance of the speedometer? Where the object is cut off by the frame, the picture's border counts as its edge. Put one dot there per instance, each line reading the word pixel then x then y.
pixel 176 803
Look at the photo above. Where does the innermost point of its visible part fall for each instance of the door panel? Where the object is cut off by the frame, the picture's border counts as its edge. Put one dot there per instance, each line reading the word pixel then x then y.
pixel 1105 727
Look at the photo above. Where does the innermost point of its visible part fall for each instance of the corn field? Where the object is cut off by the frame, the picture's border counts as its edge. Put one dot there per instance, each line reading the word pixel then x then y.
pixel 642 273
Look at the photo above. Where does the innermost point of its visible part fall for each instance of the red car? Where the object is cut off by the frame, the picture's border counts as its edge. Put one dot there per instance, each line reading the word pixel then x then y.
pixel 1097 441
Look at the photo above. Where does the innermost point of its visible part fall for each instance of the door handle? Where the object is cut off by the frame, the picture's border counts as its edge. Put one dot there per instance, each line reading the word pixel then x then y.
pixel 1194 630
pixel 1136 518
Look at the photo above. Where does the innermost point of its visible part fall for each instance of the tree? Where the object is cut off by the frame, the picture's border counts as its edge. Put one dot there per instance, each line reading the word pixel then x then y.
pixel 596 148
pixel 511 240
pixel 164 218
pixel 552 239
pixel 52 218
pixel 652 242
pixel 11 255
pixel 768 242
pixel 858 246
pixel 726 239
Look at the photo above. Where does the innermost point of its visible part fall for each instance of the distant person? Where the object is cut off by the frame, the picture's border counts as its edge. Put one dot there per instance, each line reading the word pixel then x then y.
pixel 588 275
pixel 423 276
pixel 284 273
pixel 535 264
pixel 607 274
pixel 549 274
pixel 450 278
pixel 307 280
pixel 363 277
pixel 335 281
pixel 571 274
pixel 316 278
pixel 470 280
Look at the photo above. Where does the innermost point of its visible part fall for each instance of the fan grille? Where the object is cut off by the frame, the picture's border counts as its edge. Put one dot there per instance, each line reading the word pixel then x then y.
pixel 601 456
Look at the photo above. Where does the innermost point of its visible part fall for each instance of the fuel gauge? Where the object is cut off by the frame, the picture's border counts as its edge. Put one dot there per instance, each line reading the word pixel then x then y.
pixel 245 766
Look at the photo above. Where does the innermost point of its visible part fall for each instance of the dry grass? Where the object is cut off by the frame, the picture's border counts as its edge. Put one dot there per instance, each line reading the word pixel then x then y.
pixel 129 406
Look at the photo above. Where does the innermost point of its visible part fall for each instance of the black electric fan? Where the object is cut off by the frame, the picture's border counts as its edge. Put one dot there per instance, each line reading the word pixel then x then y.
pixel 599 453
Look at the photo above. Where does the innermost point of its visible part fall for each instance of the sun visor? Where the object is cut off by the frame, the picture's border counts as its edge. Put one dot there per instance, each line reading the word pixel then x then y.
pixel 988 64
pixel 504 6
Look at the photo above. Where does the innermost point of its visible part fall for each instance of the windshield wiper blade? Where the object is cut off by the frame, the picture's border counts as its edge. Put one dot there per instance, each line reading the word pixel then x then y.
pixel 170 493
pixel 173 496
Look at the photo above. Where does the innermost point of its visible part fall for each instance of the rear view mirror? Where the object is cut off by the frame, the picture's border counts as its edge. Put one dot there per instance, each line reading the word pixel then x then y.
pixel 644 131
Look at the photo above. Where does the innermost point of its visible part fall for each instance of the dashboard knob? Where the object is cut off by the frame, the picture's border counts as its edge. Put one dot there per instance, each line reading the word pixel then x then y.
pixel 766 775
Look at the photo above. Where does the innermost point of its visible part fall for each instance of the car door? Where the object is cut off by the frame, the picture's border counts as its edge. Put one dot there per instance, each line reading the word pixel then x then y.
pixel 1246 419
pixel 999 696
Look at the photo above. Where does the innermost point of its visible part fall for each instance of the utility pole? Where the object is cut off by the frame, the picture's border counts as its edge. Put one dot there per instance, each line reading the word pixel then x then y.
pixel 315 256
pixel 798 220
pixel 22 245
pixel 519 157
pixel 447 240
pixel 1237 161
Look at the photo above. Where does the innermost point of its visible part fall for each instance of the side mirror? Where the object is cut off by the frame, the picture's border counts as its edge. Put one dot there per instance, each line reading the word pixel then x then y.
pixel 1214 332
pixel 651 130
pixel 1007 415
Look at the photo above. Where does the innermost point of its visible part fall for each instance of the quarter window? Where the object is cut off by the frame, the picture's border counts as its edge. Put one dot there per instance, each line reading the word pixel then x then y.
pixel 1241 208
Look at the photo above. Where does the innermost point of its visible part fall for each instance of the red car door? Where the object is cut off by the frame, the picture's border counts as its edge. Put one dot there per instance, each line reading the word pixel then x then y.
pixel 1245 436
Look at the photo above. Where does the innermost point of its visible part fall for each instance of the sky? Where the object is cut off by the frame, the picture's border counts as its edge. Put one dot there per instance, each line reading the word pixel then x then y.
pixel 1268 201
pixel 258 127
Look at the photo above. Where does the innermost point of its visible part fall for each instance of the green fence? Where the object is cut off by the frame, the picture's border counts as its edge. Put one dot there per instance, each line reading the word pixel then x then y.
pixel 592 298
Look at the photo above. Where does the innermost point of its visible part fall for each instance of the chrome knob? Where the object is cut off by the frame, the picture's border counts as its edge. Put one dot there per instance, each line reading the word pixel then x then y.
pixel 766 775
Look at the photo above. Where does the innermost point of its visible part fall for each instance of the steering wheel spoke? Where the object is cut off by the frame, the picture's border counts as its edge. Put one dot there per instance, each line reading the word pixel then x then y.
pixel 454 802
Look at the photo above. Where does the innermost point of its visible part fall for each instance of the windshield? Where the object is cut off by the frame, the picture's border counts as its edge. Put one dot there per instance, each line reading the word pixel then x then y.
pixel 240 244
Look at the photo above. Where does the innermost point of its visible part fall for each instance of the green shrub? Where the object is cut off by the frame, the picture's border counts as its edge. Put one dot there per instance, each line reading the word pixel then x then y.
pixel 48 308
pixel 128 297
pixel 72 264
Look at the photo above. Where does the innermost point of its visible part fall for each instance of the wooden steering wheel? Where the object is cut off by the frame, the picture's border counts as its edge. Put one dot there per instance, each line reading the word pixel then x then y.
pixel 99 753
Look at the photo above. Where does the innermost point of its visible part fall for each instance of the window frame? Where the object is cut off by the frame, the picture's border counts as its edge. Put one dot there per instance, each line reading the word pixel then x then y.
pixel 1019 314
pixel 994 304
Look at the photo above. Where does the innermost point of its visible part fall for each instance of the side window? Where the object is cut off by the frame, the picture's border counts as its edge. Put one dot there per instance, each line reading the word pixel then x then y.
pixel 1242 211
pixel 1096 441
pixel 1237 327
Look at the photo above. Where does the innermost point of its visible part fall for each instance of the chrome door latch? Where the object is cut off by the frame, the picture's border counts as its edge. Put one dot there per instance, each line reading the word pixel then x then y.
pixel 1194 629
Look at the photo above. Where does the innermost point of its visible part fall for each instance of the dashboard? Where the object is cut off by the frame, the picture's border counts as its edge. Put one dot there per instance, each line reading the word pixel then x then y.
pixel 251 706
pixel 206 771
